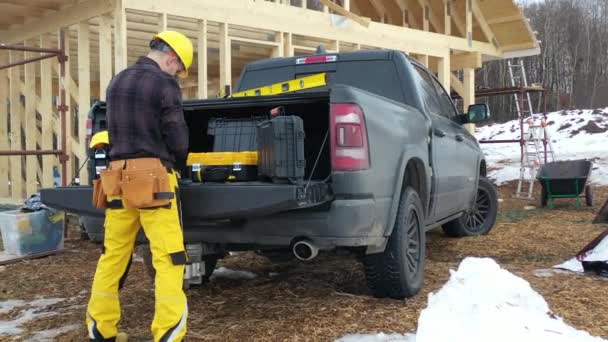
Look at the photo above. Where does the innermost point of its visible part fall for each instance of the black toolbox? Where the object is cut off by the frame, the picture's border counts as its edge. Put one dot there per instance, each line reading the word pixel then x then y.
pixel 281 148
pixel 234 134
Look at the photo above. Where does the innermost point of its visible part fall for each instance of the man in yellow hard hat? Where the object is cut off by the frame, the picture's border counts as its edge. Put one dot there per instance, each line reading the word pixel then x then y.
pixel 149 141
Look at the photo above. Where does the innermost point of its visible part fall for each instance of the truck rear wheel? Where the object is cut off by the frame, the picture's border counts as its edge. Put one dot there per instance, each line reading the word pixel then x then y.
pixel 398 272
pixel 480 219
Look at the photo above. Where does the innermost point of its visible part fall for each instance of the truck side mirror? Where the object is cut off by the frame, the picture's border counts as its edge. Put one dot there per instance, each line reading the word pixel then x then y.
pixel 477 113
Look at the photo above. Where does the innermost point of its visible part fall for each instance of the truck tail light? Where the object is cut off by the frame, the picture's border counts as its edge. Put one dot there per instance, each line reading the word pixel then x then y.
pixel 316 59
pixel 349 146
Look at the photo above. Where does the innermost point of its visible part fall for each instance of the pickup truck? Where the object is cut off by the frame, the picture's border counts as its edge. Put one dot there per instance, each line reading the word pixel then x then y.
pixel 387 159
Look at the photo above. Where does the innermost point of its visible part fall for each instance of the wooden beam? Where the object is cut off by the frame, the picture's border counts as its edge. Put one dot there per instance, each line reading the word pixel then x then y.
pixel 68 16
pixel 407 13
pixel 84 93
pixel 447 17
pixel 443 72
pixel 4 141
pixel 485 27
pixel 225 57
pixel 46 112
pixel 288 45
pixel 31 162
pixel 468 12
pixel 470 60
pixel 423 59
pixel 15 128
pixel 267 16
pixel 120 37
pixel 380 9
pixel 346 12
pixel 502 20
pixel 279 49
pixel 458 20
pixel 202 60
pixel 105 54
pixel 469 94
pixel 429 16
pixel 457 85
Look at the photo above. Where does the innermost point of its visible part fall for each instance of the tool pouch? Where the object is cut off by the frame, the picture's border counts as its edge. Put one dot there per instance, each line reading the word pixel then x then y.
pixel 110 181
pixel 99 197
pixel 145 184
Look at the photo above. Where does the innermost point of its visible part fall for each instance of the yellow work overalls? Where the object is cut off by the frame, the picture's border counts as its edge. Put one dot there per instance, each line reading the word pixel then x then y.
pixel 162 226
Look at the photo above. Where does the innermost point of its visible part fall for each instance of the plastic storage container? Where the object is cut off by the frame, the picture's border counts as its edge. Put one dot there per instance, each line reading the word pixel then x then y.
pixel 223 166
pixel 27 233
pixel 281 148
pixel 234 135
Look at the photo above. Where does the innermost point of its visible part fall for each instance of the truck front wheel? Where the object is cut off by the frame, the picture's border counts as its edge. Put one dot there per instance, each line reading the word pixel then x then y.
pixel 480 219
pixel 398 272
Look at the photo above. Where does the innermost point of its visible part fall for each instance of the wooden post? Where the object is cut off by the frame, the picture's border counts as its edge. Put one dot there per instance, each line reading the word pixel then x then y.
pixel 31 162
pixel 105 54
pixel 469 94
pixel 443 71
pixel 4 142
pixel 162 22
pixel 425 17
pixel 469 22
pixel 424 60
pixel 15 129
pixel 46 104
pixel 202 60
pixel 447 17
pixel 288 45
pixel 84 94
pixel 69 124
pixel 225 57
pixel 120 37
pixel 346 5
pixel 279 51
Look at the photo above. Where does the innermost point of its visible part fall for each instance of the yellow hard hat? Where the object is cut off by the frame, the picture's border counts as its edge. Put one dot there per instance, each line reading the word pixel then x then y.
pixel 182 47
pixel 100 138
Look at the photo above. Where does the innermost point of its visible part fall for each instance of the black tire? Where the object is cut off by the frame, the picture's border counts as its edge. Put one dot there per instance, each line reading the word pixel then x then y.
pixel 544 198
pixel 588 196
pixel 481 218
pixel 398 272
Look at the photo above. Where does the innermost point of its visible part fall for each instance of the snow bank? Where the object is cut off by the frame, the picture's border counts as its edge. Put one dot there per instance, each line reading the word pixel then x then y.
pixel 223 272
pixel 575 134
pixel 51 334
pixel 483 302
pixel 598 253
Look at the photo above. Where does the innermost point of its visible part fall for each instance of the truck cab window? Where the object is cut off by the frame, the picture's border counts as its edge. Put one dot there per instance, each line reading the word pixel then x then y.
pixel 447 106
pixel 429 94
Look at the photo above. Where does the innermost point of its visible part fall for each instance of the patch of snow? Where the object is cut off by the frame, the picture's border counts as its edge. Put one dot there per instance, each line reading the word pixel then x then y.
pixel 483 302
pixel 51 334
pixel 378 338
pixel 223 272
pixel 574 134
pixel 598 253
pixel 544 273
pixel 33 310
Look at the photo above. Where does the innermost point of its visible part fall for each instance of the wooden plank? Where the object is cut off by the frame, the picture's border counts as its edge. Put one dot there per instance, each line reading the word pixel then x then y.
pixel 423 59
pixel 447 17
pixel 279 49
pixel 225 57
pixel 275 43
pixel 31 131
pixel 469 22
pixel 4 142
pixel 15 128
pixel 408 15
pixel 68 16
pixel 458 19
pixel 162 22
pixel 202 60
pixel 105 54
pixel 120 37
pixel 466 60
pixel 457 85
pixel 380 9
pixel 288 45
pixel 84 94
pixel 46 111
pixel 266 16
pixel 507 19
pixel 485 27
pixel 68 120
pixel 469 94
pixel 346 12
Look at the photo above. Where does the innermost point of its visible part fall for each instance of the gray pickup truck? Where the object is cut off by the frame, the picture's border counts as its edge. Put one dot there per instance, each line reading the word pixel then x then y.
pixel 408 166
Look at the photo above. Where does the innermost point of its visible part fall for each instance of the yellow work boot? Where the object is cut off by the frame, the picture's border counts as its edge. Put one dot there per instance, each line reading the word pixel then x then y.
pixel 122 337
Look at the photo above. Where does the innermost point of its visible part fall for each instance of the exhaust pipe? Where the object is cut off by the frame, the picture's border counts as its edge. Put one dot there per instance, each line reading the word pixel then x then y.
pixel 304 250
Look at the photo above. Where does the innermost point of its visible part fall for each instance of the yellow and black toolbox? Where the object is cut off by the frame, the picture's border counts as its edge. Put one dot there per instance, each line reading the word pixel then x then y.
pixel 223 166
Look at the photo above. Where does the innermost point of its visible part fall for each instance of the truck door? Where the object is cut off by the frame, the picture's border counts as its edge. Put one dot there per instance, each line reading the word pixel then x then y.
pixel 464 151
pixel 446 185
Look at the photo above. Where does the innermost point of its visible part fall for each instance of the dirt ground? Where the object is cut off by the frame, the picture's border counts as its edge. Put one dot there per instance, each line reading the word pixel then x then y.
pixel 328 298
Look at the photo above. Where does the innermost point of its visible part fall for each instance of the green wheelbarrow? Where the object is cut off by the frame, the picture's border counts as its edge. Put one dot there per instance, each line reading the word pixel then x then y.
pixel 565 179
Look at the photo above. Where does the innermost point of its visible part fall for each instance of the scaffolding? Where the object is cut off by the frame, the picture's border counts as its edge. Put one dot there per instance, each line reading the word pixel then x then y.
pixel 62 107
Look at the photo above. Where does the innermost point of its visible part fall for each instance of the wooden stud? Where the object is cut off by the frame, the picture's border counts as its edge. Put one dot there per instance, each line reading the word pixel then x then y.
pixel 4 141
pixel 485 27
pixel 346 5
pixel 347 13
pixel 423 59
pixel 469 22
pixel 469 93
pixel 425 17
pixel 279 50
pixel 407 13
pixel 162 22
pixel 202 60
pixel 31 162
pixel 225 57
pixel 120 37
pixel 380 9
pixel 288 45
pixel 443 71
pixel 69 124
pixel 105 54
pixel 15 128
pixel 447 17
pixel 46 111
pixel 84 93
